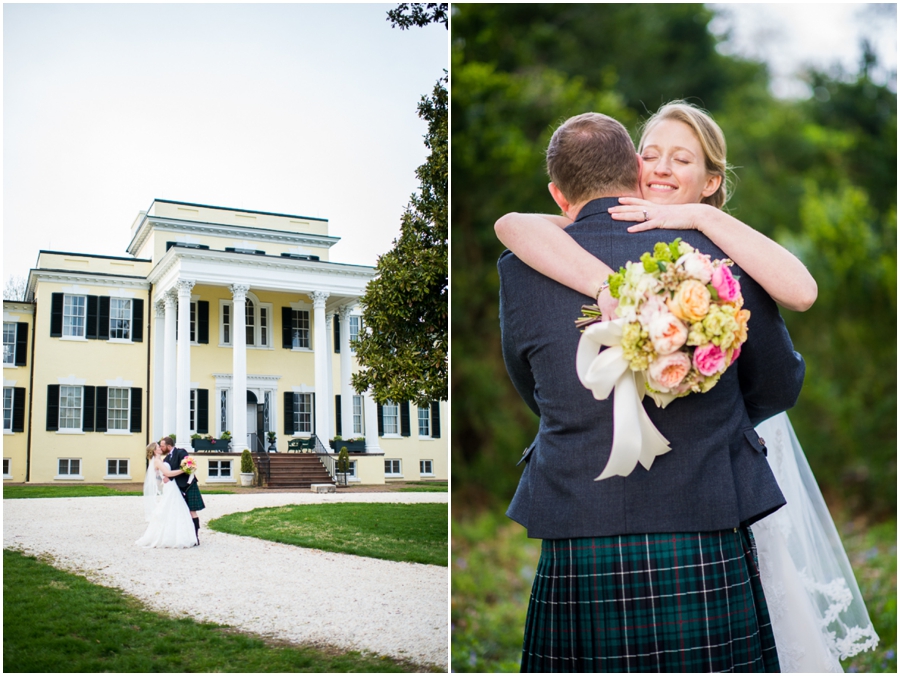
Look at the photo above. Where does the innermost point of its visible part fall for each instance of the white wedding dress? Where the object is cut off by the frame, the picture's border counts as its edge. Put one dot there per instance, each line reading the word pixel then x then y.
pixel 817 612
pixel 170 519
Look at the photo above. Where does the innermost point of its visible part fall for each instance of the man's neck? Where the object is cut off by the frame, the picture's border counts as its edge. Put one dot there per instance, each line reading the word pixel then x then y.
pixel 575 209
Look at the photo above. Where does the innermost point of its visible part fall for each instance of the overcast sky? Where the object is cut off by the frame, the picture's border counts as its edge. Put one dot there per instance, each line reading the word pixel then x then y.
pixel 297 109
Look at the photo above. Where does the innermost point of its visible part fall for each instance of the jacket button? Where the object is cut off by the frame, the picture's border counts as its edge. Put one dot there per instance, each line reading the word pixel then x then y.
pixel 762 442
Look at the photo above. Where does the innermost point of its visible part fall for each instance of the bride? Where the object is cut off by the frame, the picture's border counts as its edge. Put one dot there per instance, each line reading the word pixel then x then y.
pixel 818 614
pixel 164 507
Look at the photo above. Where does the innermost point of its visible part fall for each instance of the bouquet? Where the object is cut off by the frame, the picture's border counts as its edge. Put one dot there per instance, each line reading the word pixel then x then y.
pixel 188 466
pixel 681 325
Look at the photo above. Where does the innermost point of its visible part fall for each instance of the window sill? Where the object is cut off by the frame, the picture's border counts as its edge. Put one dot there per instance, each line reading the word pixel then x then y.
pixel 393 436
pixel 79 339
pixel 302 349
pixel 9 432
pixel 221 480
pixel 7 476
pixel 393 476
pixel 421 438
pixel 120 341
pixel 68 477
pixel 70 431
pixel 10 366
pixel 119 433
pixel 428 476
pixel 117 477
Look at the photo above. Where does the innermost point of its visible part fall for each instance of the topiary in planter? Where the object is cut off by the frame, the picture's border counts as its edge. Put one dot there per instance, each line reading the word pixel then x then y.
pixel 246 462
pixel 343 461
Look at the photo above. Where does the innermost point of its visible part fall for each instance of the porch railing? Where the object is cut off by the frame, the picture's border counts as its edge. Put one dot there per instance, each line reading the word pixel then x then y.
pixel 327 460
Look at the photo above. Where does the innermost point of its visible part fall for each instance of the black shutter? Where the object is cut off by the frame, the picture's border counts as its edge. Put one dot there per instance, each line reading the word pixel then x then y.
pixel 435 420
pixel 203 410
pixel 102 405
pixel 103 318
pixel 93 312
pixel 337 334
pixel 56 315
pixel 18 417
pixel 136 409
pixel 289 412
pixel 52 406
pixel 203 322
pixel 287 320
pixel 404 419
pixel 21 343
pixel 380 420
pixel 87 408
pixel 137 320
pixel 337 415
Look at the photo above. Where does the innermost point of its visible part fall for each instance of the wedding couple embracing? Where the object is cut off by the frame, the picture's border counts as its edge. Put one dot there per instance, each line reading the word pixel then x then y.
pixel 171 498
pixel 715 552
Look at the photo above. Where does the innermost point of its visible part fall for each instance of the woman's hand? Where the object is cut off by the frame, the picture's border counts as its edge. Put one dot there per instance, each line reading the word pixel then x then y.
pixel 666 216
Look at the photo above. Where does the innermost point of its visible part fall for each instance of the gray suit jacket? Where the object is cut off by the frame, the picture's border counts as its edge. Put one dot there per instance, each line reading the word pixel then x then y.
pixel 716 475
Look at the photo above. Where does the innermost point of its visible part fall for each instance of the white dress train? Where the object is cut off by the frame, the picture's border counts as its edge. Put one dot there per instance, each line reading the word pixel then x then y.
pixel 170 525
pixel 818 614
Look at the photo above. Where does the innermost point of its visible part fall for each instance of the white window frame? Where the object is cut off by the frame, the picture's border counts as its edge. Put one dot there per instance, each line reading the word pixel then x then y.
pixel 298 397
pixel 8 410
pixel 359 420
pixel 9 347
pixel 393 474
pixel 395 416
pixel 69 476
pixel 80 408
pixel 422 468
pixel 118 430
pixel 218 477
pixel 65 327
pixel 118 474
pixel 192 411
pixel 127 316
pixel 354 334
pixel 426 419
pixel 227 307
pixel 7 468
pixel 309 330
pixel 351 472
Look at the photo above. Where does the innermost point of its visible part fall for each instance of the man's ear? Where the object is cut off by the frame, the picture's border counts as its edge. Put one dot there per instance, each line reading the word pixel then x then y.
pixel 559 198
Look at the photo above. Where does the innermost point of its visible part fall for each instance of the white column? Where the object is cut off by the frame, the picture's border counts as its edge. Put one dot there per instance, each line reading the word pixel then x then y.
pixel 169 371
pixel 320 348
pixel 239 367
pixel 183 394
pixel 159 377
pixel 346 389
pixel 329 337
pixel 370 420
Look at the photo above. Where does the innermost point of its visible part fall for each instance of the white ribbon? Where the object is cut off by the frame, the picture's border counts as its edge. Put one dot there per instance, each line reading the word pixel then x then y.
pixel 635 438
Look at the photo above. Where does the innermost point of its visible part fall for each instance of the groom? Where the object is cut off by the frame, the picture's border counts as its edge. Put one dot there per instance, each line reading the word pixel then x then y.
pixel 656 571
pixel 190 492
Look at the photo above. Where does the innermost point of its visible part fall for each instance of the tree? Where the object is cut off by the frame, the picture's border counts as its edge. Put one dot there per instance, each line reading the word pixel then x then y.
pixel 402 354
pixel 418 14
pixel 14 289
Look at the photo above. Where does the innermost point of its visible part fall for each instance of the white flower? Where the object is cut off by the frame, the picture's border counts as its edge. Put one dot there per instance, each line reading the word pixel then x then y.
pixel 697 266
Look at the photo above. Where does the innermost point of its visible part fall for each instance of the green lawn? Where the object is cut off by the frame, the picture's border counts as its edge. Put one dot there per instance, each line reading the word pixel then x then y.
pixel 413 533
pixel 75 491
pixel 54 621
pixel 493 566
pixel 424 487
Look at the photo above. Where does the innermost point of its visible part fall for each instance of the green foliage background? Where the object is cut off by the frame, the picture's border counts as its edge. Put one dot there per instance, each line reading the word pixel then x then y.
pixel 817 174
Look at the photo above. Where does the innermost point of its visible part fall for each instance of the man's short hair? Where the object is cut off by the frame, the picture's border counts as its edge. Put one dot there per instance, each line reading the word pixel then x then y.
pixel 591 155
pixel 168 441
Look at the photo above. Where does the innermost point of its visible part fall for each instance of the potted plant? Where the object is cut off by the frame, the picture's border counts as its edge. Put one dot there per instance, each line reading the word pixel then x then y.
pixel 334 442
pixel 343 465
pixel 271 436
pixel 246 468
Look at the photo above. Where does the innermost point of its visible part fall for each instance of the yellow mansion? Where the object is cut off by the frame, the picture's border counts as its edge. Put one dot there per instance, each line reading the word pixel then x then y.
pixel 219 320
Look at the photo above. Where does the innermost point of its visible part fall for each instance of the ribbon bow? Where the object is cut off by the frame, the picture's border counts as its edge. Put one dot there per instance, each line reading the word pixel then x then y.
pixel 635 438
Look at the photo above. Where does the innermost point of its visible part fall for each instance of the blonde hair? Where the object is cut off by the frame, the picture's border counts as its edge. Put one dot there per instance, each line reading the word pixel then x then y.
pixel 711 139
pixel 151 450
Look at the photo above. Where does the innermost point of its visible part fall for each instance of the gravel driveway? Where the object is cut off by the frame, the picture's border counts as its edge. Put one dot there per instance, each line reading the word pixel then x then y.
pixel 290 593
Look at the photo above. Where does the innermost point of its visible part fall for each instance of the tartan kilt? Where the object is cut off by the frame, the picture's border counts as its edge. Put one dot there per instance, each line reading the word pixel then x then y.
pixel 193 498
pixel 686 602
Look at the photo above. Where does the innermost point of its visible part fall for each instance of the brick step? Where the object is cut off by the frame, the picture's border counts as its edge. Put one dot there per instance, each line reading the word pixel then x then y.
pixel 295 471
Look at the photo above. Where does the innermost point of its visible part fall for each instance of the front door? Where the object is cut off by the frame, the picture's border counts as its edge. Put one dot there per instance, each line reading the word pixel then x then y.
pixel 251 426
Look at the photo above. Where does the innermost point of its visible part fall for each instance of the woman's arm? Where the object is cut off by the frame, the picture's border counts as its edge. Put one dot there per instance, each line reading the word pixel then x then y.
pixel 778 271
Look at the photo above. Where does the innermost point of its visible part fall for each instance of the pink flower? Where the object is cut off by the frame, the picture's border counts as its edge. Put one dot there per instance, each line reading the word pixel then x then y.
pixel 709 359
pixel 667 333
pixel 725 284
pixel 697 266
pixel 668 371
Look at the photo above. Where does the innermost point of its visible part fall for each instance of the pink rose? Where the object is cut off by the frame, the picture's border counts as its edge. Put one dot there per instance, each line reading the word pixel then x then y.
pixel 709 359
pixel 667 333
pixel 668 371
pixel 697 266
pixel 725 284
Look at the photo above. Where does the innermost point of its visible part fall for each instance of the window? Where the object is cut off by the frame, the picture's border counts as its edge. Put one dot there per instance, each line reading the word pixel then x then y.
pixel 120 319
pixel 300 328
pixel 74 311
pixel 257 323
pixel 223 411
pixel 70 467
pixel 390 414
pixel 226 324
pixel 302 413
pixel 251 327
pixel 70 407
pixel 351 470
pixel 424 422
pixel 220 469
pixel 6 472
pixel 392 468
pixel 117 468
pixel 192 419
pixel 117 410
pixel 7 409
pixel 357 414
pixel 426 468
pixel 263 325
pixel 9 343
pixel 355 326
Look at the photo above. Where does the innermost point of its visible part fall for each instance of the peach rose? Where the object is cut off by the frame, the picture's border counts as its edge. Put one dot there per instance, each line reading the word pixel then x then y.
pixel 691 301
pixel 741 317
pixel 667 372
pixel 667 333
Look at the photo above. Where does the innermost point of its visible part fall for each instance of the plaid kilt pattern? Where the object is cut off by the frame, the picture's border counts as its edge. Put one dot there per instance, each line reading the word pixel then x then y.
pixel 193 498
pixel 686 602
